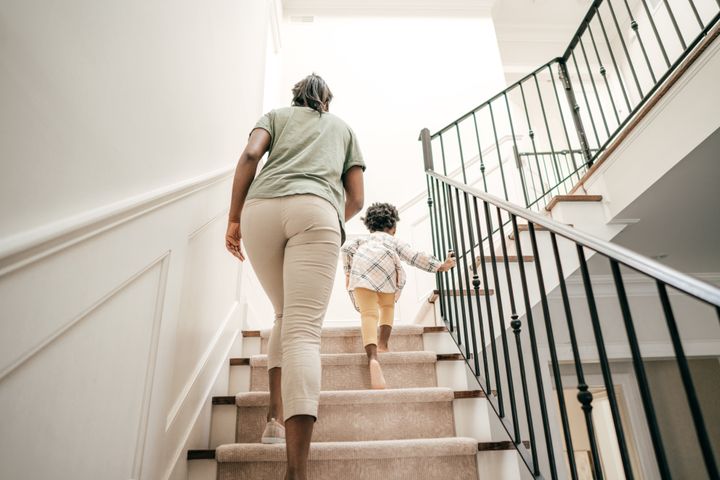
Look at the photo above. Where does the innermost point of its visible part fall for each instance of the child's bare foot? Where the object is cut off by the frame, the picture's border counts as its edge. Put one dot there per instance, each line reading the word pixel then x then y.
pixel 377 380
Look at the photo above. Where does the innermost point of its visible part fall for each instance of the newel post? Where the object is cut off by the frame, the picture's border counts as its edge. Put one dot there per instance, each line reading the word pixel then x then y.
pixel 427 149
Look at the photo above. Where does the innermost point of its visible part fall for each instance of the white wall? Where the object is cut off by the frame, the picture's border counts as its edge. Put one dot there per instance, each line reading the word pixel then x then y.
pixel 392 76
pixel 120 127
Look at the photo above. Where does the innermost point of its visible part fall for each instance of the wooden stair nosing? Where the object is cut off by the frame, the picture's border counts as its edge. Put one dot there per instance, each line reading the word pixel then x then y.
pixel 230 399
pixel 465 293
pixel 501 258
pixel 572 198
pixel 245 361
pixel 257 333
pixel 209 454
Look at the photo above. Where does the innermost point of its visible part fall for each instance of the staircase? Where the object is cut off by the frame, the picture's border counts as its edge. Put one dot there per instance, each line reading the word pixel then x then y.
pixel 423 426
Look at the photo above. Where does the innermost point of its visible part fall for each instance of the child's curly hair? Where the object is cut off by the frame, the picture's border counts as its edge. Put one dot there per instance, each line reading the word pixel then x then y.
pixel 380 217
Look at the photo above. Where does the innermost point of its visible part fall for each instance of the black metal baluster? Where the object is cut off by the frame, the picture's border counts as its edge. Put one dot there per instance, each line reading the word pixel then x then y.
pixel 675 25
pixel 562 118
pixel 547 129
pixel 615 66
pixel 605 364
pixel 634 26
pixel 584 395
pixel 449 279
pixel 534 351
pixel 442 154
pixel 587 104
pixel 531 134
pixel 486 365
pixel 475 285
pixel 441 277
pixel 482 163
pixel 603 73
pixel 457 292
pixel 433 228
pixel 491 324
pixel 690 392
pixel 555 364
pixel 697 15
pixel 564 76
pixel 512 132
pixel 625 49
pixel 462 157
pixel 592 82
pixel 465 283
pixel 497 147
pixel 501 315
pixel 657 35
pixel 640 374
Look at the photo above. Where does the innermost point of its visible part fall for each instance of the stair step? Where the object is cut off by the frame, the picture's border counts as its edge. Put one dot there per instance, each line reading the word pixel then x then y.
pixel 429 459
pixel 523 227
pixel 361 415
pixel 405 338
pixel 465 293
pixel 500 259
pixel 572 198
pixel 349 371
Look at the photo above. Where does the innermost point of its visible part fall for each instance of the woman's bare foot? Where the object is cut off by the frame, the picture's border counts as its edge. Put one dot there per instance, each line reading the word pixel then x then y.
pixel 377 380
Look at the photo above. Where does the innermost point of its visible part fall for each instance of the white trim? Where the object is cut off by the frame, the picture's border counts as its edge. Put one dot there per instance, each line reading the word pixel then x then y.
pixel 199 367
pixel 27 247
pixel 62 330
pixel 191 425
pixel 275 10
pixel 635 286
pixel 150 371
pixel 650 350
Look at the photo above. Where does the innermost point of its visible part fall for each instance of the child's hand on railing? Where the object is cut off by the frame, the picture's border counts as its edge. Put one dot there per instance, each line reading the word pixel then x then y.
pixel 449 262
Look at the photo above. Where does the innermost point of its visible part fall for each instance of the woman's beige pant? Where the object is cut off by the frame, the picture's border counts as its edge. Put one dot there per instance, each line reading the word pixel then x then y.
pixel 293 243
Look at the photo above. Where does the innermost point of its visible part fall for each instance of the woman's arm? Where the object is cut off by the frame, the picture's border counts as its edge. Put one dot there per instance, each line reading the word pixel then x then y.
pixel 354 191
pixel 258 144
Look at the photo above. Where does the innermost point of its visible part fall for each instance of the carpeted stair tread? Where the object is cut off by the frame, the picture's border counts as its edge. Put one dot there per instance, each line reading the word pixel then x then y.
pixel 361 415
pixel 361 397
pixel 338 359
pixel 355 331
pixel 373 450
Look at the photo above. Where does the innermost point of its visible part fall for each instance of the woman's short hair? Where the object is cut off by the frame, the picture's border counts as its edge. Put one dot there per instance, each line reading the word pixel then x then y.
pixel 380 217
pixel 313 92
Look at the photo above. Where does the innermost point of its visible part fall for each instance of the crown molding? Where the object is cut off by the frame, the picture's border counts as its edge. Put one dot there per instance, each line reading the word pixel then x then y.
pixel 450 8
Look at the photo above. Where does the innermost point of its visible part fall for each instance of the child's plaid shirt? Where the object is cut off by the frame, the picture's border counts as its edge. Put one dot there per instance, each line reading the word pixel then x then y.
pixel 373 262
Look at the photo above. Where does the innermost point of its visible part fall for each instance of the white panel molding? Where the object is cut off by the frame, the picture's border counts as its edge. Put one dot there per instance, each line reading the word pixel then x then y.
pixel 196 374
pixel 62 330
pixel 221 352
pixel 635 286
pixel 151 364
pixel 222 213
pixel 28 247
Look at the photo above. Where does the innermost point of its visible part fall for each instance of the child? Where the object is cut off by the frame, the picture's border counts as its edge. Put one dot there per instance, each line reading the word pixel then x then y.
pixel 374 278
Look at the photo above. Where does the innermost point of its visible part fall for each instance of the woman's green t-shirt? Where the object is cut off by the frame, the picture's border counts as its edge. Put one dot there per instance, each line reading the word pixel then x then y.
pixel 309 154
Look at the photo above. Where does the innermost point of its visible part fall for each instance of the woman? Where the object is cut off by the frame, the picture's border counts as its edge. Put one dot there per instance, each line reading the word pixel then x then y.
pixel 292 218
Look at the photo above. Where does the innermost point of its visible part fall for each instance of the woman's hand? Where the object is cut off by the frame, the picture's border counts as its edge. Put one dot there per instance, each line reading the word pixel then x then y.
pixel 347 281
pixel 232 240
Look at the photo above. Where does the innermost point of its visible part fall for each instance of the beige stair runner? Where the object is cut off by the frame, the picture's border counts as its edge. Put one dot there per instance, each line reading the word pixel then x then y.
pixel 406 432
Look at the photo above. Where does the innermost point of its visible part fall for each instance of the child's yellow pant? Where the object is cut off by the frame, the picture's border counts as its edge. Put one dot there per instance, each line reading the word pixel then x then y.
pixel 375 307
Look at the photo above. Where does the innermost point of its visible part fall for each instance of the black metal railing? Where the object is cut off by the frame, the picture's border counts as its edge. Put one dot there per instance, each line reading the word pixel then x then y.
pixel 574 106
pixel 528 339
